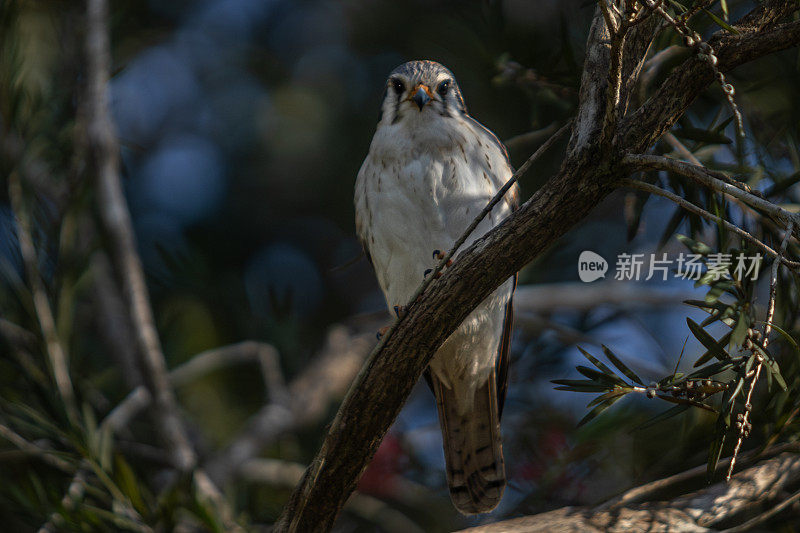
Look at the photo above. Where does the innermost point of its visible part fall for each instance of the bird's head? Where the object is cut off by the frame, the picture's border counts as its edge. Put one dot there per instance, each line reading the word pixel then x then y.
pixel 417 89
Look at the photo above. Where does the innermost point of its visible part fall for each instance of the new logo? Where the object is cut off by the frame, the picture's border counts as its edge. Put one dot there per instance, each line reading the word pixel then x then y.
pixel 591 266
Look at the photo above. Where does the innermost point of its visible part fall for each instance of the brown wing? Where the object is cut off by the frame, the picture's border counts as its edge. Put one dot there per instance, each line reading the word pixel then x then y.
pixel 363 238
pixel 503 359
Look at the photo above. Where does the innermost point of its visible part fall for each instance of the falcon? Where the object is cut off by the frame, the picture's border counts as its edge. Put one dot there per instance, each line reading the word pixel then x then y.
pixel 430 170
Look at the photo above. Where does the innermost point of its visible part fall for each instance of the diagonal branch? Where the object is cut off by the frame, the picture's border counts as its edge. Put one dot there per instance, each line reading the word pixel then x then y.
pixel 652 189
pixel 116 222
pixel 587 175
pixel 56 354
pixel 697 511
pixel 743 423
pixel 642 128
pixel 716 181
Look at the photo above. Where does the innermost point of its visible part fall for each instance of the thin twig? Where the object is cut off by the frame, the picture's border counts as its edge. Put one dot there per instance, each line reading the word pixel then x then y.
pixel 643 186
pixel 744 423
pixel 310 394
pixel 56 354
pixel 116 222
pixel 691 158
pixel 46 455
pixel 716 181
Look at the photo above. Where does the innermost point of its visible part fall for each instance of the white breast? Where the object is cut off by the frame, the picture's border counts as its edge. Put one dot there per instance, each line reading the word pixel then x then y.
pixel 422 184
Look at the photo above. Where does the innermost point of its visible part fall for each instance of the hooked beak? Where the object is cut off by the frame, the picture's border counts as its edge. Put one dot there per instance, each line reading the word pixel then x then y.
pixel 421 97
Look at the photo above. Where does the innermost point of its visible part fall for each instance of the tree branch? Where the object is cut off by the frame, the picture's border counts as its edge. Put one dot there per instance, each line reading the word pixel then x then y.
pixel 647 187
pixel 756 39
pixel 116 222
pixel 716 181
pixel 697 511
pixel 586 176
pixel 56 354
pixel 309 396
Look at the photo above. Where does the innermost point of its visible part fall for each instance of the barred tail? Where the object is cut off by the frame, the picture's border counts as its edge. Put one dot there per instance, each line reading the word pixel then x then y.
pixel 473 449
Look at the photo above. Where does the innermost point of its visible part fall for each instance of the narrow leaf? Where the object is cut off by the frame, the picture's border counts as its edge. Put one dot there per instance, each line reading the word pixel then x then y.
pixel 599 364
pixel 597 410
pixel 621 366
pixel 721 23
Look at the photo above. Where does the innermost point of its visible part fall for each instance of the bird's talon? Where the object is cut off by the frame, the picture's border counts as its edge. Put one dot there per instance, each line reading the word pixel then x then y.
pixel 427 271
pixel 400 311
pixel 382 331
pixel 437 254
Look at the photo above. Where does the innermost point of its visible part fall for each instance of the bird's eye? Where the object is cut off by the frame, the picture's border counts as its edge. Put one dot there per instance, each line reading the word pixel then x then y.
pixel 443 88
pixel 398 86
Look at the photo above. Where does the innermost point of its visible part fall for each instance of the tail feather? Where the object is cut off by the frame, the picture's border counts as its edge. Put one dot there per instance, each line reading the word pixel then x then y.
pixel 472 448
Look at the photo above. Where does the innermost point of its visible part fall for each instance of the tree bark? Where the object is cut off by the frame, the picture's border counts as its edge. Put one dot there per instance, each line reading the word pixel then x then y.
pixel 708 509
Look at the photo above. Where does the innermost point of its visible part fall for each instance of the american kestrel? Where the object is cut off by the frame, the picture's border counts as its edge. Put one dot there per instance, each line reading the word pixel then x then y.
pixel 430 170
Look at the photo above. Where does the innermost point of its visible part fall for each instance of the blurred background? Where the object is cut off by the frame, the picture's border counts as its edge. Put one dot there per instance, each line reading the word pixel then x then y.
pixel 243 124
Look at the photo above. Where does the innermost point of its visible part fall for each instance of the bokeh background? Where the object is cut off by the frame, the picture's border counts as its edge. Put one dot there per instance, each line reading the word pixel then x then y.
pixel 243 124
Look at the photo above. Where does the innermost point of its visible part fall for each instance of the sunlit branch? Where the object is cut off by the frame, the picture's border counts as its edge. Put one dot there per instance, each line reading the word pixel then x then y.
pixel 643 186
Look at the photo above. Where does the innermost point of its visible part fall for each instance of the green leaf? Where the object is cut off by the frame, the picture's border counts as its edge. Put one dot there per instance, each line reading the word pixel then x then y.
pixel 715 451
pixel 684 401
pixel 127 482
pixel 693 245
pixel 721 23
pixel 740 331
pixel 599 377
pixel 579 385
pixel 771 366
pixel 634 207
pixel 674 221
pixel 714 348
pixel 714 368
pixel 706 306
pixel 630 374
pixel 597 410
pixel 607 396
pixel 736 390
pixel 787 337
pixel 596 362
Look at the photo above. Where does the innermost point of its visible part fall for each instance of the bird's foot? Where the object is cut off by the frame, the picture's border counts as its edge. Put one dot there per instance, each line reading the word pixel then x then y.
pixel 382 331
pixel 438 255
pixel 400 311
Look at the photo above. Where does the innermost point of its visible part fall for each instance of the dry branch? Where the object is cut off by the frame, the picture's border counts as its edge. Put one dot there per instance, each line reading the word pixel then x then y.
pixel 116 223
pixel 716 181
pixel 692 208
pixel 698 511
pixel 310 395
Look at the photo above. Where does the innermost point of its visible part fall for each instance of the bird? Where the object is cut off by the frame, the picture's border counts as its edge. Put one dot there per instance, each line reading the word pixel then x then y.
pixel 430 170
